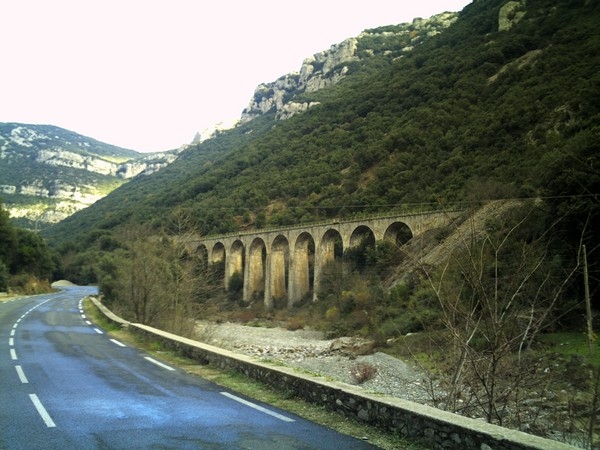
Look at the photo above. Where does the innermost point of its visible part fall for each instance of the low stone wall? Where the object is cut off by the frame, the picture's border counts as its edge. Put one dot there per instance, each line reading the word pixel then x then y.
pixel 433 427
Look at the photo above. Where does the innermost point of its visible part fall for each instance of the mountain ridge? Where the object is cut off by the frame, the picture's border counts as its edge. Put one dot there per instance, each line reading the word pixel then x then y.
pixel 48 172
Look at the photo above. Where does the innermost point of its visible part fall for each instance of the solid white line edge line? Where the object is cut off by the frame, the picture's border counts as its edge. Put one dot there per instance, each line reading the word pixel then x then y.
pixel 120 344
pixel 257 407
pixel 158 363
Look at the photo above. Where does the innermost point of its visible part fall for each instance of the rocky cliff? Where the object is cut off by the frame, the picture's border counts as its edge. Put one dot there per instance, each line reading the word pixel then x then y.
pixel 329 67
pixel 326 68
pixel 47 173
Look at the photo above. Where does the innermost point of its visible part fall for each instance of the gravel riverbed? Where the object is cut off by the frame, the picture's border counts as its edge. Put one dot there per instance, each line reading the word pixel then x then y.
pixel 308 350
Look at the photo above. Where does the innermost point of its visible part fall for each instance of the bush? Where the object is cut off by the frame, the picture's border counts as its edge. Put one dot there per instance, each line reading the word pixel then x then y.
pixel 28 285
pixel 362 372
pixel 294 323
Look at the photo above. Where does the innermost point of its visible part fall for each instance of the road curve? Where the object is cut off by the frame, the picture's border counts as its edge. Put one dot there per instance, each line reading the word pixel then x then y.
pixel 65 384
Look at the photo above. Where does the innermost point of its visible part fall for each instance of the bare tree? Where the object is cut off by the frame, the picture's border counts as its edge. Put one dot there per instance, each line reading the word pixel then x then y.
pixel 497 290
pixel 156 279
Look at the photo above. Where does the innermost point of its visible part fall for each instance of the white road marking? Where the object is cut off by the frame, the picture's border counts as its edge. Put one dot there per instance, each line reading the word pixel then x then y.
pixel 21 374
pixel 15 326
pixel 158 363
pixel 11 342
pixel 257 407
pixel 83 316
pixel 88 322
pixel 13 354
pixel 42 411
pixel 98 331
pixel 120 344
pixel 12 332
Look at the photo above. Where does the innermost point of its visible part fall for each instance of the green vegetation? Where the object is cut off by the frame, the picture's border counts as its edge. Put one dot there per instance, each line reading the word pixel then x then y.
pixel 26 263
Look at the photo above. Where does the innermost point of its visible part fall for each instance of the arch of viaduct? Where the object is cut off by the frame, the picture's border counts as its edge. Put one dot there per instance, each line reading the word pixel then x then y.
pixel 288 262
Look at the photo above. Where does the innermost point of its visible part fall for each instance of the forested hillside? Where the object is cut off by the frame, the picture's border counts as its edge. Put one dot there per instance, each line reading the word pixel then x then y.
pixel 472 114
pixel 26 263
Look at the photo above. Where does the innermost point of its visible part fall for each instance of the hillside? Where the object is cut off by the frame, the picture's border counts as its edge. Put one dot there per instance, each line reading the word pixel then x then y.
pixel 494 106
pixel 48 173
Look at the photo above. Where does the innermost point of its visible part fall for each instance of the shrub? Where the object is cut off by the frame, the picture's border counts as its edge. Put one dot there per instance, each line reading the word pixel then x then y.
pixel 362 372
pixel 295 323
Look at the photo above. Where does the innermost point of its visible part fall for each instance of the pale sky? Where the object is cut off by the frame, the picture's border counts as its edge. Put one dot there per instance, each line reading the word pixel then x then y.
pixel 148 74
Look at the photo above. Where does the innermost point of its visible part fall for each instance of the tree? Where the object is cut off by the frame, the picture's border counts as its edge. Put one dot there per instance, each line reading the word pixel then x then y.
pixel 32 255
pixel 155 280
pixel 497 290
pixel 3 277
pixel 8 237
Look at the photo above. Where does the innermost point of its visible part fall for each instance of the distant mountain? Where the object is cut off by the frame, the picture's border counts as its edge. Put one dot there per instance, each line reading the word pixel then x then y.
pixel 47 173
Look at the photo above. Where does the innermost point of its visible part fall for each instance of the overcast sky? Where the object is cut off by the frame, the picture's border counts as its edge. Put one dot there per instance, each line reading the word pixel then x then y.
pixel 148 74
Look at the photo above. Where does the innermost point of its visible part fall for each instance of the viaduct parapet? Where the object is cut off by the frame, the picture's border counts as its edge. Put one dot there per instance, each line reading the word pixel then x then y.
pixel 287 263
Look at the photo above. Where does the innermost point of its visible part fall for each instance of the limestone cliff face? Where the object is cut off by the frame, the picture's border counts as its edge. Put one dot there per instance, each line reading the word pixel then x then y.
pixel 48 173
pixel 328 67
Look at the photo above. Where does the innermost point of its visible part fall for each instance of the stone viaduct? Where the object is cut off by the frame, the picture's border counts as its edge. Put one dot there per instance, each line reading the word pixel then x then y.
pixel 287 263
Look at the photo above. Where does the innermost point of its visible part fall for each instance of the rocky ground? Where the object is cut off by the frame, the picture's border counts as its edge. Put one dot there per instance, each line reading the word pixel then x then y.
pixel 339 359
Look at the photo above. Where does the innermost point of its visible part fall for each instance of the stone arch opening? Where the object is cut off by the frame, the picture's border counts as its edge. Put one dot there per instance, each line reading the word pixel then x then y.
pixel 217 260
pixel 332 246
pixel 328 266
pixel 302 268
pixel 279 269
pixel 202 254
pixel 362 240
pixel 362 235
pixel 235 266
pixel 399 233
pixel 254 278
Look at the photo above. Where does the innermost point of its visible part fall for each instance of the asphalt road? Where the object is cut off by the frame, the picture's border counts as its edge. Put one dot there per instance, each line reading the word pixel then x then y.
pixel 65 384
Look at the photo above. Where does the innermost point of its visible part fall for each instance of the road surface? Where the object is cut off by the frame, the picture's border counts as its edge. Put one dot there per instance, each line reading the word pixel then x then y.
pixel 65 384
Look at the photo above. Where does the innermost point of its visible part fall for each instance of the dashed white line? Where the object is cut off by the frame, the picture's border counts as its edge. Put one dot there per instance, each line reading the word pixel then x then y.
pixel 88 322
pixel 158 363
pixel 12 332
pixel 257 407
pixel 120 344
pixel 13 354
pixel 42 411
pixel 98 331
pixel 11 342
pixel 21 374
